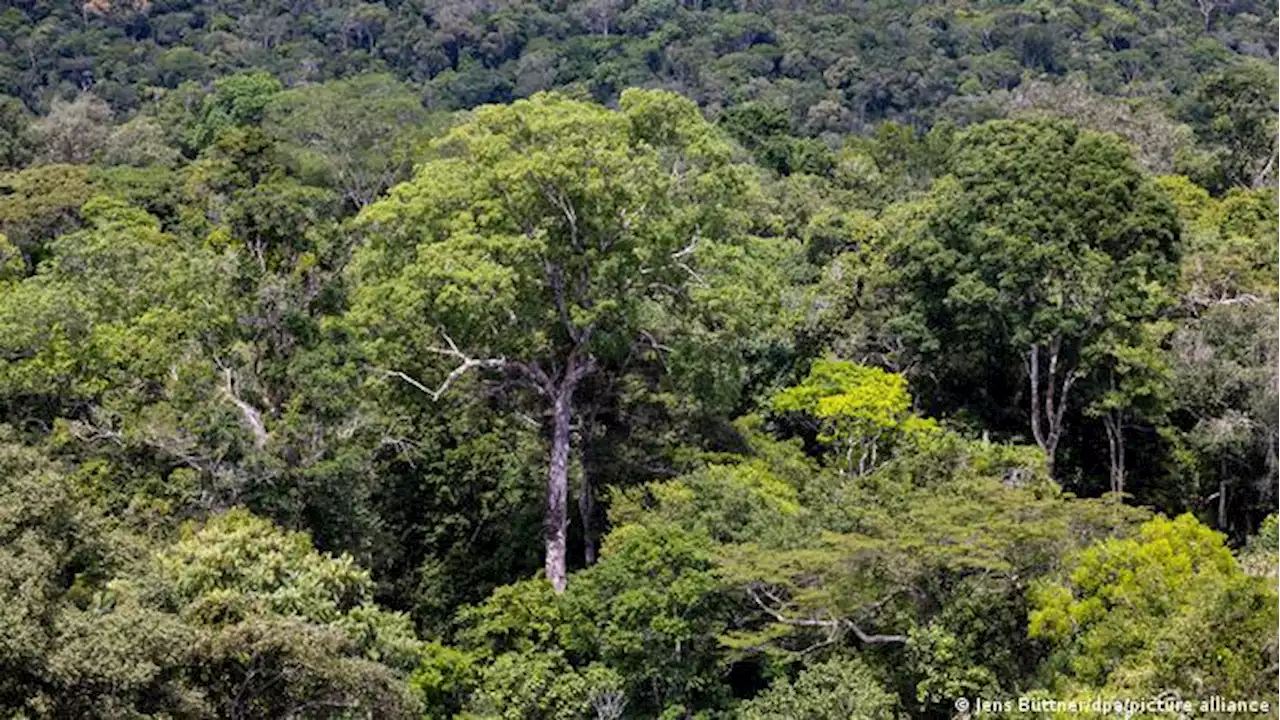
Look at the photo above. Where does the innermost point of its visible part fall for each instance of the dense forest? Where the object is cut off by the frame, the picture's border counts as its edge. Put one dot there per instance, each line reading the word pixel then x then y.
pixel 604 359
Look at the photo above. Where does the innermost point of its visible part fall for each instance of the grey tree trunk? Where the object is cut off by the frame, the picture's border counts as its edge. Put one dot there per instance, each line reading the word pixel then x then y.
pixel 557 518
pixel 1049 399
pixel 586 509
pixel 1222 504
pixel 1114 423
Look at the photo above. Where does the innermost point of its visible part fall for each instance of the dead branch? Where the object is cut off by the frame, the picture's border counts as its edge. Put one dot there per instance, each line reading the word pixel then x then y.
pixel 467 364
pixel 252 417
pixel 833 625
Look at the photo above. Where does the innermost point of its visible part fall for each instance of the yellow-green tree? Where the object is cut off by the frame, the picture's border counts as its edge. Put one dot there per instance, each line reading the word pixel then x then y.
pixel 1168 610
pixel 860 411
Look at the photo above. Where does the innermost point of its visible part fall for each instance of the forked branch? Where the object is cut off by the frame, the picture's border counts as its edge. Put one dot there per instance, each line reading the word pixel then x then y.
pixel 466 365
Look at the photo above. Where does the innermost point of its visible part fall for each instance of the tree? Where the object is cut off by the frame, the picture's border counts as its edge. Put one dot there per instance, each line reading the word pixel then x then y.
pixel 284 628
pixel 15 134
pixel 920 566
pixel 859 408
pixel 637 631
pixel 87 318
pixel 1157 140
pixel 840 688
pixel 236 101
pixel 1166 611
pixel 536 246
pixel 1045 239
pixel 42 202
pixel 140 142
pixel 362 134
pixel 74 132
pixel 1136 382
pixel 237 619
pixel 1235 112
pixel 1206 8
pixel 1224 365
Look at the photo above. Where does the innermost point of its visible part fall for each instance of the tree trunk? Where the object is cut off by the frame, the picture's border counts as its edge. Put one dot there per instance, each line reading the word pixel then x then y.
pixel 557 519
pixel 1206 10
pixel 587 509
pixel 1048 399
pixel 1115 442
pixel 1222 504
pixel 588 426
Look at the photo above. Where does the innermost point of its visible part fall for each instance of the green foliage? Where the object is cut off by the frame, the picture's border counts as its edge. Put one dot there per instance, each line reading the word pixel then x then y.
pixel 858 408
pixel 545 244
pixel 88 318
pixel 637 631
pixel 766 132
pixel 252 258
pixel 927 555
pixel 41 203
pixel 841 65
pixel 95 625
pixel 280 625
pixel 15 134
pixel 838 688
pixel 465 245
pixel 651 610
pixel 1267 535
pixel 1235 111
pixel 1167 610
pixel 358 136
pixel 1043 253
pixel 12 264
pixel 1119 585
pixel 729 503
pixel 542 685
pixel 236 101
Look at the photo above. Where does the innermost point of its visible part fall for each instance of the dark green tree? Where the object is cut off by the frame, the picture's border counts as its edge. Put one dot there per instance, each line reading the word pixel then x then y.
pixel 1045 241
pixel 16 139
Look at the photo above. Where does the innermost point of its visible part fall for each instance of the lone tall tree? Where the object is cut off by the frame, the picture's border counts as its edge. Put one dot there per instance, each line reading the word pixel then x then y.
pixel 544 241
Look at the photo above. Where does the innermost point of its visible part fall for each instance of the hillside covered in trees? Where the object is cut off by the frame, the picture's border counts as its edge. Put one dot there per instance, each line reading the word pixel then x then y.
pixel 815 359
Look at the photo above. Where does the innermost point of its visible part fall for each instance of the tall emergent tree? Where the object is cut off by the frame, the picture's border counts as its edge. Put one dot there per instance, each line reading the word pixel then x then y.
pixel 545 241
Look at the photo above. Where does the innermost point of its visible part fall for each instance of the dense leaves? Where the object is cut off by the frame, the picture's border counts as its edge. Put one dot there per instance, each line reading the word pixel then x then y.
pixel 406 359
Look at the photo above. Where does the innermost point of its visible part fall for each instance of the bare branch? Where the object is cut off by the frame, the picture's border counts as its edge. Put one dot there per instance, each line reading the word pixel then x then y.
pixel 252 417
pixel 468 364
pixel 696 277
pixel 555 197
pixel 832 624
pixel 867 639
pixel 693 244
pixel 1199 301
